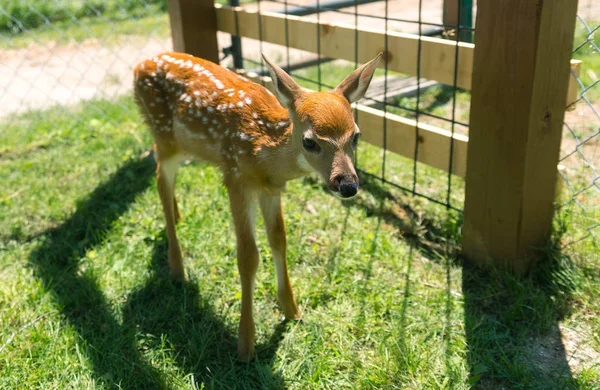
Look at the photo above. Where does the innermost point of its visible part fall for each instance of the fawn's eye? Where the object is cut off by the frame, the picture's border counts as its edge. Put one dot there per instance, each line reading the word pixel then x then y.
pixel 310 145
pixel 355 139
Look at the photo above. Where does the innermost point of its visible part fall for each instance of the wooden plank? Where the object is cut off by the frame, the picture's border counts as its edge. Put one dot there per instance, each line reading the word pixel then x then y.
pixel 338 41
pixel 573 93
pixel 194 28
pixel 517 113
pixel 434 143
pixel 396 86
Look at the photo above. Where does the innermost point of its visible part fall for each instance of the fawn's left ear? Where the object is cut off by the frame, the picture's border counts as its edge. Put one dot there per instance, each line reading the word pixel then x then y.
pixel 285 87
pixel 355 85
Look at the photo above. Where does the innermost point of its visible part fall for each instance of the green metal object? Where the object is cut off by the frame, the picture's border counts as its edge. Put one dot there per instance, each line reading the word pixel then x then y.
pixel 466 20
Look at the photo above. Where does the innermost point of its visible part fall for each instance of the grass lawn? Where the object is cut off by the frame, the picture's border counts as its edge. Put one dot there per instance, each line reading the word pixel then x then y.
pixel 85 301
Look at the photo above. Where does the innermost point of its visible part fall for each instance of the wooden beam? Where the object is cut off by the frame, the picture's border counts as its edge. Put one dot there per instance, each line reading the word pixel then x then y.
pixel 338 41
pixel 573 93
pixel 194 28
pixel 520 81
pixel 401 135
pixel 434 143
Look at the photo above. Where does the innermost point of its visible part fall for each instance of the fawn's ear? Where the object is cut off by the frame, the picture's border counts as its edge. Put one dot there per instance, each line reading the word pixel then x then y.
pixel 285 87
pixel 355 85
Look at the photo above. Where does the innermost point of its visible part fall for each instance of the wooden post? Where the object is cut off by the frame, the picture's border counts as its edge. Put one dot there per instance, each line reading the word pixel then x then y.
pixel 194 28
pixel 451 17
pixel 520 80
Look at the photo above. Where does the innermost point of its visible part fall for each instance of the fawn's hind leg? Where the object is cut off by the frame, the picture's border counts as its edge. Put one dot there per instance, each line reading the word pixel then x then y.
pixel 166 172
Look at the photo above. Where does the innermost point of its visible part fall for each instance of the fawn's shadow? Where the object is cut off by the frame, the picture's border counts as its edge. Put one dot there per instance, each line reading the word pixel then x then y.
pixel 499 308
pixel 175 313
pixel 159 310
pixel 109 347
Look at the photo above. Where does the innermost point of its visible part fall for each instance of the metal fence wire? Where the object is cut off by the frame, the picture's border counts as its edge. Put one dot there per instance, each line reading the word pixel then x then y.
pixel 410 96
pixel 580 155
pixel 61 53
pixel 444 106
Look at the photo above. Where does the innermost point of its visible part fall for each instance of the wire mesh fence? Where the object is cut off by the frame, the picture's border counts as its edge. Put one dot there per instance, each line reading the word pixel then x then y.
pixel 56 54
pixel 59 53
pixel 580 155
pixel 410 96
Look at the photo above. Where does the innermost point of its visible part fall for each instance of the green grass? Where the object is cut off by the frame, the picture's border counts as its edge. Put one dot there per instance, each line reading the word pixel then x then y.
pixel 106 30
pixel 85 300
pixel 18 15
pixel 74 21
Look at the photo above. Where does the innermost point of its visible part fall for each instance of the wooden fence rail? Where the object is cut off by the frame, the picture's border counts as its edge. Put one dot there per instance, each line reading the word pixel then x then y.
pixel 337 41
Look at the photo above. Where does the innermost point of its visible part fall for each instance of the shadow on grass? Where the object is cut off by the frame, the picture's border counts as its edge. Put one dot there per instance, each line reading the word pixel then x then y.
pixel 511 324
pixel 175 314
pixel 202 344
pixel 110 348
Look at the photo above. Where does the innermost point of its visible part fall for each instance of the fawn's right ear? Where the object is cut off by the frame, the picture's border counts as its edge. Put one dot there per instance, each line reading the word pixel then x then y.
pixel 285 87
pixel 354 87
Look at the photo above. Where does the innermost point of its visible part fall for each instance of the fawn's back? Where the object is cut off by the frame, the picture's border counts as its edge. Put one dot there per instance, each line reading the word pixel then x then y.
pixel 198 108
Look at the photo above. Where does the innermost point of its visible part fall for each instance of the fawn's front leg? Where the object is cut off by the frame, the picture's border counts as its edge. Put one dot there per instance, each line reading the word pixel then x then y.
pixel 243 209
pixel 273 216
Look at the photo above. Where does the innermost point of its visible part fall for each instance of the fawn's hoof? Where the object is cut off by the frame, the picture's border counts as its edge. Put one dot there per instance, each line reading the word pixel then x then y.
pixel 246 334
pixel 289 308
pixel 245 351
pixel 293 315
pixel 178 275
pixel 176 270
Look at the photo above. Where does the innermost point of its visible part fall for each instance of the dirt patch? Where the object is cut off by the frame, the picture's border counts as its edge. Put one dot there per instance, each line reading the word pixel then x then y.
pixel 563 348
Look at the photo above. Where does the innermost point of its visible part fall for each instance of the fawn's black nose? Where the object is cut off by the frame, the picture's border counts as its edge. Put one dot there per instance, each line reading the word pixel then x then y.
pixel 348 190
pixel 347 185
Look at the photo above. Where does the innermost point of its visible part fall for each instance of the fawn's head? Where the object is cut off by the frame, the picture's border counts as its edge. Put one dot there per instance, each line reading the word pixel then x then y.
pixel 323 124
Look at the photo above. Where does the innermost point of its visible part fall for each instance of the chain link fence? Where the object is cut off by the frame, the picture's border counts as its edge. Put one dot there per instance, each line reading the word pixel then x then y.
pixel 579 164
pixel 60 53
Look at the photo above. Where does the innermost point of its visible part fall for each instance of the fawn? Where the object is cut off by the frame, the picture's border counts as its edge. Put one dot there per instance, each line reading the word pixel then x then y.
pixel 197 108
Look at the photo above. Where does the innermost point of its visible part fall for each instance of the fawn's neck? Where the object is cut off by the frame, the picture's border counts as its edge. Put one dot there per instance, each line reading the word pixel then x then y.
pixel 283 159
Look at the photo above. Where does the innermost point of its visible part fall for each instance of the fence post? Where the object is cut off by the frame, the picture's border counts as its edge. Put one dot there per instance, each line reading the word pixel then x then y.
pixel 450 17
pixel 520 82
pixel 194 28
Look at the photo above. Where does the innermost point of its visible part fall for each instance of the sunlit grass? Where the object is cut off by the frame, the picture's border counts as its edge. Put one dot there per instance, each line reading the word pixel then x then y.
pixel 85 300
